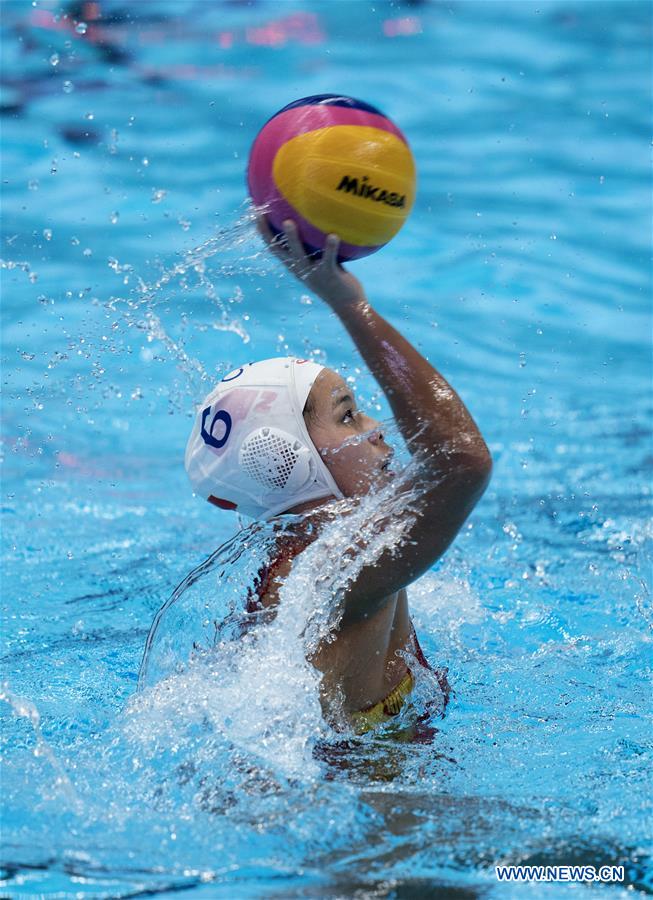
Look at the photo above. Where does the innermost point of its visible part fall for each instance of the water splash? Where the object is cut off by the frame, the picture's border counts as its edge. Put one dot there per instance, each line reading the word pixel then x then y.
pixel 22 266
pixel 201 272
pixel 246 676
pixel 202 290
pixel 62 785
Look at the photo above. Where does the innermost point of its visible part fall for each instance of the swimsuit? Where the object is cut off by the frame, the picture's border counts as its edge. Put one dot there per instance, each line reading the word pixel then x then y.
pixel 386 709
pixel 254 600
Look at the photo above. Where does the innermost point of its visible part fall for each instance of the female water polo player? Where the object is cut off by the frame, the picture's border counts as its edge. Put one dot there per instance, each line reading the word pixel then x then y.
pixel 285 435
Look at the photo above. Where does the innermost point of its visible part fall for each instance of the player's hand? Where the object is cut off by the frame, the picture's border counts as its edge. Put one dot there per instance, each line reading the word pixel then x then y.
pixel 324 276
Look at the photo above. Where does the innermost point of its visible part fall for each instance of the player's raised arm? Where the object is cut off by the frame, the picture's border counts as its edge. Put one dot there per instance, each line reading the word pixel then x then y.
pixel 455 463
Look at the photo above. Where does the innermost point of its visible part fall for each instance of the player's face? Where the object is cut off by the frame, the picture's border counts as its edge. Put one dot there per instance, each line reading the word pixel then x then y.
pixel 351 443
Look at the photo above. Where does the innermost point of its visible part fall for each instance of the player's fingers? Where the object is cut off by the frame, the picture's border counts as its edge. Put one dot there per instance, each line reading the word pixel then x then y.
pixel 294 243
pixel 276 242
pixel 331 248
pixel 263 228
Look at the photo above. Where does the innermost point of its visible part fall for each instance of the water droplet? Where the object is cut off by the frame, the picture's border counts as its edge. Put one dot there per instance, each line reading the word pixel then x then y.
pixel 114 217
pixel 87 252
pixel 74 241
pixel 90 116
pixel 553 237
pixel 158 195
pixel 522 360
pixel 54 59
pixel 68 87
pixel 27 356
pixel 145 161
pixel 81 28
pixel 601 179
pixel 33 277
pixel 33 184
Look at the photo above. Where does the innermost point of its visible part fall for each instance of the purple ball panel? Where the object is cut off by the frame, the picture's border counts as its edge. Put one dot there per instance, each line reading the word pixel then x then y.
pixel 331 100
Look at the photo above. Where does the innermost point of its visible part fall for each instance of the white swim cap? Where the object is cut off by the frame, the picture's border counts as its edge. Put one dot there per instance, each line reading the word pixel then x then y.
pixel 250 450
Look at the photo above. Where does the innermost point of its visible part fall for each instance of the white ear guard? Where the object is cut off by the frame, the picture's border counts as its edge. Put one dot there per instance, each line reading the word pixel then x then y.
pixel 276 460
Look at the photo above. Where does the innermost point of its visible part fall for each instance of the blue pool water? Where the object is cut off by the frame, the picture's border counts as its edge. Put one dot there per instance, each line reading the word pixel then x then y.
pixel 132 277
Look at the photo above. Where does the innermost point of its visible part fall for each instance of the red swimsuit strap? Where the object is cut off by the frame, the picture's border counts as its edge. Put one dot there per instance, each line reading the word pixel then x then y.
pixel 440 674
pixel 267 572
pixel 422 660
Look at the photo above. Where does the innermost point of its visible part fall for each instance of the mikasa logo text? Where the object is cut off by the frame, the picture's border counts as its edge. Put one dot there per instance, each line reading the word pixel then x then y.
pixel 364 189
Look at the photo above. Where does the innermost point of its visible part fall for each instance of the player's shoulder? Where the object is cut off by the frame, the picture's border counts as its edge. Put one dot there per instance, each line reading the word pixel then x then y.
pixel 276 569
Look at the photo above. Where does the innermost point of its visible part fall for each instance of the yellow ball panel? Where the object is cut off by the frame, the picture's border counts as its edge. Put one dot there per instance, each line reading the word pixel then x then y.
pixel 341 212
pixel 353 180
